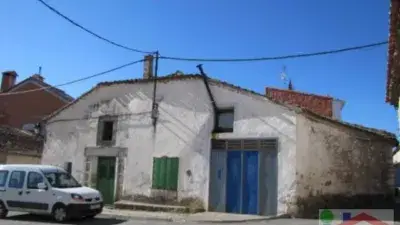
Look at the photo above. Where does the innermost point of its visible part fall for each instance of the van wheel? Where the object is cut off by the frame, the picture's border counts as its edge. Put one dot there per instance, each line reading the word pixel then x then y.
pixel 3 210
pixel 60 213
pixel 91 216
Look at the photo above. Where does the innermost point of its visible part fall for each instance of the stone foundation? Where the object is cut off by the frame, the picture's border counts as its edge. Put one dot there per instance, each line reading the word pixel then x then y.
pixel 193 204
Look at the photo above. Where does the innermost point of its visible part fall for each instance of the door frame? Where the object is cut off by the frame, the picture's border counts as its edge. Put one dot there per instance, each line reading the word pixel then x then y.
pixel 274 146
pixel 115 182
pixel 92 155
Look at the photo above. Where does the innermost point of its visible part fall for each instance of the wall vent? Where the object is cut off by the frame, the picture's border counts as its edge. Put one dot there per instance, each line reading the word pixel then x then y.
pixel 244 144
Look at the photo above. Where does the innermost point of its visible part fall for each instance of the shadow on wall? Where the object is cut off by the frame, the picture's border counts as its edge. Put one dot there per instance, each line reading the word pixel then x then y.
pixel 266 114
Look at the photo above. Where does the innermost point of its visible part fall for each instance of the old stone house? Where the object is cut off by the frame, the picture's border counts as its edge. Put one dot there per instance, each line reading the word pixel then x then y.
pixel 230 148
pixel 19 146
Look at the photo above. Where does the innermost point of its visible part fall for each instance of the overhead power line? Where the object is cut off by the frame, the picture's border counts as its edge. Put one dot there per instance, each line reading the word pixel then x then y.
pixel 301 55
pixel 74 81
pixel 91 32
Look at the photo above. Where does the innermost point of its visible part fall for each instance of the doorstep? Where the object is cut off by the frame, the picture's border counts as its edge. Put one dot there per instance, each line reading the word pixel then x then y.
pixel 139 206
pixel 141 215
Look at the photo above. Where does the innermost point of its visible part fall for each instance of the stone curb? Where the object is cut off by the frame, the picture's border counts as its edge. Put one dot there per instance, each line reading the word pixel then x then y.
pixel 123 217
pixel 186 219
pixel 284 216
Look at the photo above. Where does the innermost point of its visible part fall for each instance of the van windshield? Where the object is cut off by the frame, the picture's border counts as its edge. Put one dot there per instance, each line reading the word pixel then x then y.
pixel 61 180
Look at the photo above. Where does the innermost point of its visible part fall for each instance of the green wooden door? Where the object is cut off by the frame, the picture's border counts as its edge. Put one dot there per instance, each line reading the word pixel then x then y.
pixel 106 178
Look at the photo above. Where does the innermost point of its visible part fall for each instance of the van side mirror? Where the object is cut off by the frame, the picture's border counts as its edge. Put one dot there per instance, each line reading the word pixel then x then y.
pixel 42 186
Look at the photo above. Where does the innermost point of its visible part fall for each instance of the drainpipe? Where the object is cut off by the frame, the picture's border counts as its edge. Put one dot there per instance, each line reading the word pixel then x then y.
pixel 210 95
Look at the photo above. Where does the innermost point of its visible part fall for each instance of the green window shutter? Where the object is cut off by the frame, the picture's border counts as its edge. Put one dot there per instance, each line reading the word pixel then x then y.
pixel 163 173
pixel 156 173
pixel 172 174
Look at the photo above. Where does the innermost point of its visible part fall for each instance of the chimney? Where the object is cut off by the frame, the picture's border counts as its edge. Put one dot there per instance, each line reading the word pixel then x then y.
pixel 148 67
pixel 8 80
pixel 38 77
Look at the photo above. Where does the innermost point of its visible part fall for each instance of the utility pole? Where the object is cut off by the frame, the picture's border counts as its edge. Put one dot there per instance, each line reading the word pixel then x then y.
pixel 154 111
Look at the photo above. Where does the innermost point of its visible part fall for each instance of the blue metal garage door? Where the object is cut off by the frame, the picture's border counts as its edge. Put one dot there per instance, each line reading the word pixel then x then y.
pixel 240 179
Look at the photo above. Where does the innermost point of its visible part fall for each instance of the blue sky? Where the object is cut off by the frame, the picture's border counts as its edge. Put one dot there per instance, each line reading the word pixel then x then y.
pixel 33 36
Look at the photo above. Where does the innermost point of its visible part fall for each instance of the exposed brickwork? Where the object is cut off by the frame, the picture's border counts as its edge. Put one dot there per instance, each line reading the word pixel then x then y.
pixel 318 104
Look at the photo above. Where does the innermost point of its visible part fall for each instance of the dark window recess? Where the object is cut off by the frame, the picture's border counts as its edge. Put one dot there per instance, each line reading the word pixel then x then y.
pixel 107 131
pixel 225 119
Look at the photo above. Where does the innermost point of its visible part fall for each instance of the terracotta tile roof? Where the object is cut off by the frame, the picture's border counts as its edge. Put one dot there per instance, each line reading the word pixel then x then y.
pixel 315 103
pixel 55 90
pixel 393 69
pixel 380 133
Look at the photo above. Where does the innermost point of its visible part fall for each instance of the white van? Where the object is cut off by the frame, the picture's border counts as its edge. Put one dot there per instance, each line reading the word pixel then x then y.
pixel 47 190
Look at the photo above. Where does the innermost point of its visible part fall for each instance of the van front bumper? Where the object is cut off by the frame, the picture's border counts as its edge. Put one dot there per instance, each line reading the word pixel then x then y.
pixel 81 210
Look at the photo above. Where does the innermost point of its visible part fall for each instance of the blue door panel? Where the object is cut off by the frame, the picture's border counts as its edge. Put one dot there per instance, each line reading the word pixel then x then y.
pixel 218 180
pixel 234 179
pixel 250 182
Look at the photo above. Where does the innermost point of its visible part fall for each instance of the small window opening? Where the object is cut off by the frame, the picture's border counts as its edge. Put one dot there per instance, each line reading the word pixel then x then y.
pixel 225 120
pixel 107 130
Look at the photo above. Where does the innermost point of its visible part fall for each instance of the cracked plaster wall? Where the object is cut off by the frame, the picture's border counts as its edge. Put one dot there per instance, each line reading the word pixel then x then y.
pixel 183 130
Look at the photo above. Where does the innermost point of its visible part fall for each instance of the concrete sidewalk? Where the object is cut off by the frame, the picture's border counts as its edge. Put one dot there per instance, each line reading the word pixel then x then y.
pixel 209 217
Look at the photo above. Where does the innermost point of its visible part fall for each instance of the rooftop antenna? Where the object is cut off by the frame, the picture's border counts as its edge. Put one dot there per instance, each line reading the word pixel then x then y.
pixel 284 75
pixel 286 80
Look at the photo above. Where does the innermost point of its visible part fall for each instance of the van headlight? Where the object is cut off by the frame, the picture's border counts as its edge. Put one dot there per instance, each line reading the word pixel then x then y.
pixel 77 197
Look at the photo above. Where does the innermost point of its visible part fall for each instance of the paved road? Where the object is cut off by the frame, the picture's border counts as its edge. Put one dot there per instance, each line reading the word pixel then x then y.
pixel 23 219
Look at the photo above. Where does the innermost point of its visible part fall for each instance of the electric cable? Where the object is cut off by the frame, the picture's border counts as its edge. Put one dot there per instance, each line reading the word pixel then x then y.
pixel 91 32
pixel 301 55
pixel 73 81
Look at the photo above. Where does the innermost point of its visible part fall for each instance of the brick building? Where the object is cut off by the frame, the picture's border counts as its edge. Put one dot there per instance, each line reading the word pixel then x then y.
pixel 322 105
pixel 24 110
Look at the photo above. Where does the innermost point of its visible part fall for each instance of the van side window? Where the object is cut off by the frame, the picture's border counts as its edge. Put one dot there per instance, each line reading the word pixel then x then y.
pixel 3 178
pixel 34 179
pixel 17 179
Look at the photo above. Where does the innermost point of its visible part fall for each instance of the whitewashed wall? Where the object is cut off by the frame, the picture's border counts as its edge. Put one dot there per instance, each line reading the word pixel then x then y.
pixel 183 130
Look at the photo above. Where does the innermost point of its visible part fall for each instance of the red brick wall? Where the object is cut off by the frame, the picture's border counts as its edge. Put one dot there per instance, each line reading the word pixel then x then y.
pixel 315 103
pixel 29 107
